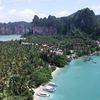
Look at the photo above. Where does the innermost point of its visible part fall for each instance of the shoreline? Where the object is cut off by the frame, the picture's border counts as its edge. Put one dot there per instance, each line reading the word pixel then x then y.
pixel 36 90
pixel 53 74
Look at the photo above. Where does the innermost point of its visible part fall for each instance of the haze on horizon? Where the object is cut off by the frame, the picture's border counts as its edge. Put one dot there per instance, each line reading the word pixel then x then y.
pixel 24 10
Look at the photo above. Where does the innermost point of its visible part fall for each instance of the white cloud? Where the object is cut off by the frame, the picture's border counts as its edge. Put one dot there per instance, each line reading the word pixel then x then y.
pixel 62 13
pixel 23 0
pixel 1 5
pixel 41 15
pixel 97 7
pixel 12 11
pixel 12 15
pixel 0 2
pixel 21 12
pixel 33 0
pixel 18 15
pixel 81 0
pixel 29 1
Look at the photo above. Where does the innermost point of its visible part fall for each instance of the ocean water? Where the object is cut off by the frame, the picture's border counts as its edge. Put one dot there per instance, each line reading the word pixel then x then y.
pixel 78 81
pixel 9 37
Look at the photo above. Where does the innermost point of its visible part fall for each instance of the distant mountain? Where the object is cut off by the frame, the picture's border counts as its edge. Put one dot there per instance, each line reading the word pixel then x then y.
pixel 15 28
pixel 84 20
pixel 98 17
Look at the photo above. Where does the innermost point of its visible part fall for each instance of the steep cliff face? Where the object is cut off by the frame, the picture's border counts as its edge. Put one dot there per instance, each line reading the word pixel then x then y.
pixel 45 25
pixel 43 30
pixel 84 20
pixel 15 28
pixel 98 17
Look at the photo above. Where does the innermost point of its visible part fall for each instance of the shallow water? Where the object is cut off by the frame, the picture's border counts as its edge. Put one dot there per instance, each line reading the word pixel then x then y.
pixel 78 81
pixel 9 37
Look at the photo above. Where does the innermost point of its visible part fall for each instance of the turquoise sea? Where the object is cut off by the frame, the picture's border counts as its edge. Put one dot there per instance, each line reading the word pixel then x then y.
pixel 9 37
pixel 78 81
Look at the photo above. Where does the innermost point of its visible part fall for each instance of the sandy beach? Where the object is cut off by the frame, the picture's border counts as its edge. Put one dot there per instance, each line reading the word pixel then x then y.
pixel 54 73
pixel 36 90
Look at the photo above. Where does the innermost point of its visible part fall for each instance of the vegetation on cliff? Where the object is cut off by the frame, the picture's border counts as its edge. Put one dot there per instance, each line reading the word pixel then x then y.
pixel 85 20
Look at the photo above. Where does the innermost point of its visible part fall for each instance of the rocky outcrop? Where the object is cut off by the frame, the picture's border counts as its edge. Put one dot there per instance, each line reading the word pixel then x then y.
pixel 84 20
pixel 44 26
pixel 98 17
pixel 43 30
pixel 15 28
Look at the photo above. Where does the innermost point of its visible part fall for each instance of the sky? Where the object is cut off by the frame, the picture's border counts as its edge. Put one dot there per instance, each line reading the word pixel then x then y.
pixel 24 10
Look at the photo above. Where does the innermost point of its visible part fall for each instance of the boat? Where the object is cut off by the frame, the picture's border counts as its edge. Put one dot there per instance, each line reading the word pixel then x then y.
pixel 94 62
pixel 52 84
pixel 49 89
pixel 43 94
pixel 87 58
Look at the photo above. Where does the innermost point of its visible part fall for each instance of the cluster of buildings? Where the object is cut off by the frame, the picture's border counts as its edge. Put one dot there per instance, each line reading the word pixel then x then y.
pixel 53 49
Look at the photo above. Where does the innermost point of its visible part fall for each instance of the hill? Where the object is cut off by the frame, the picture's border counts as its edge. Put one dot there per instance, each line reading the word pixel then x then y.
pixel 14 28
pixel 98 17
pixel 84 20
